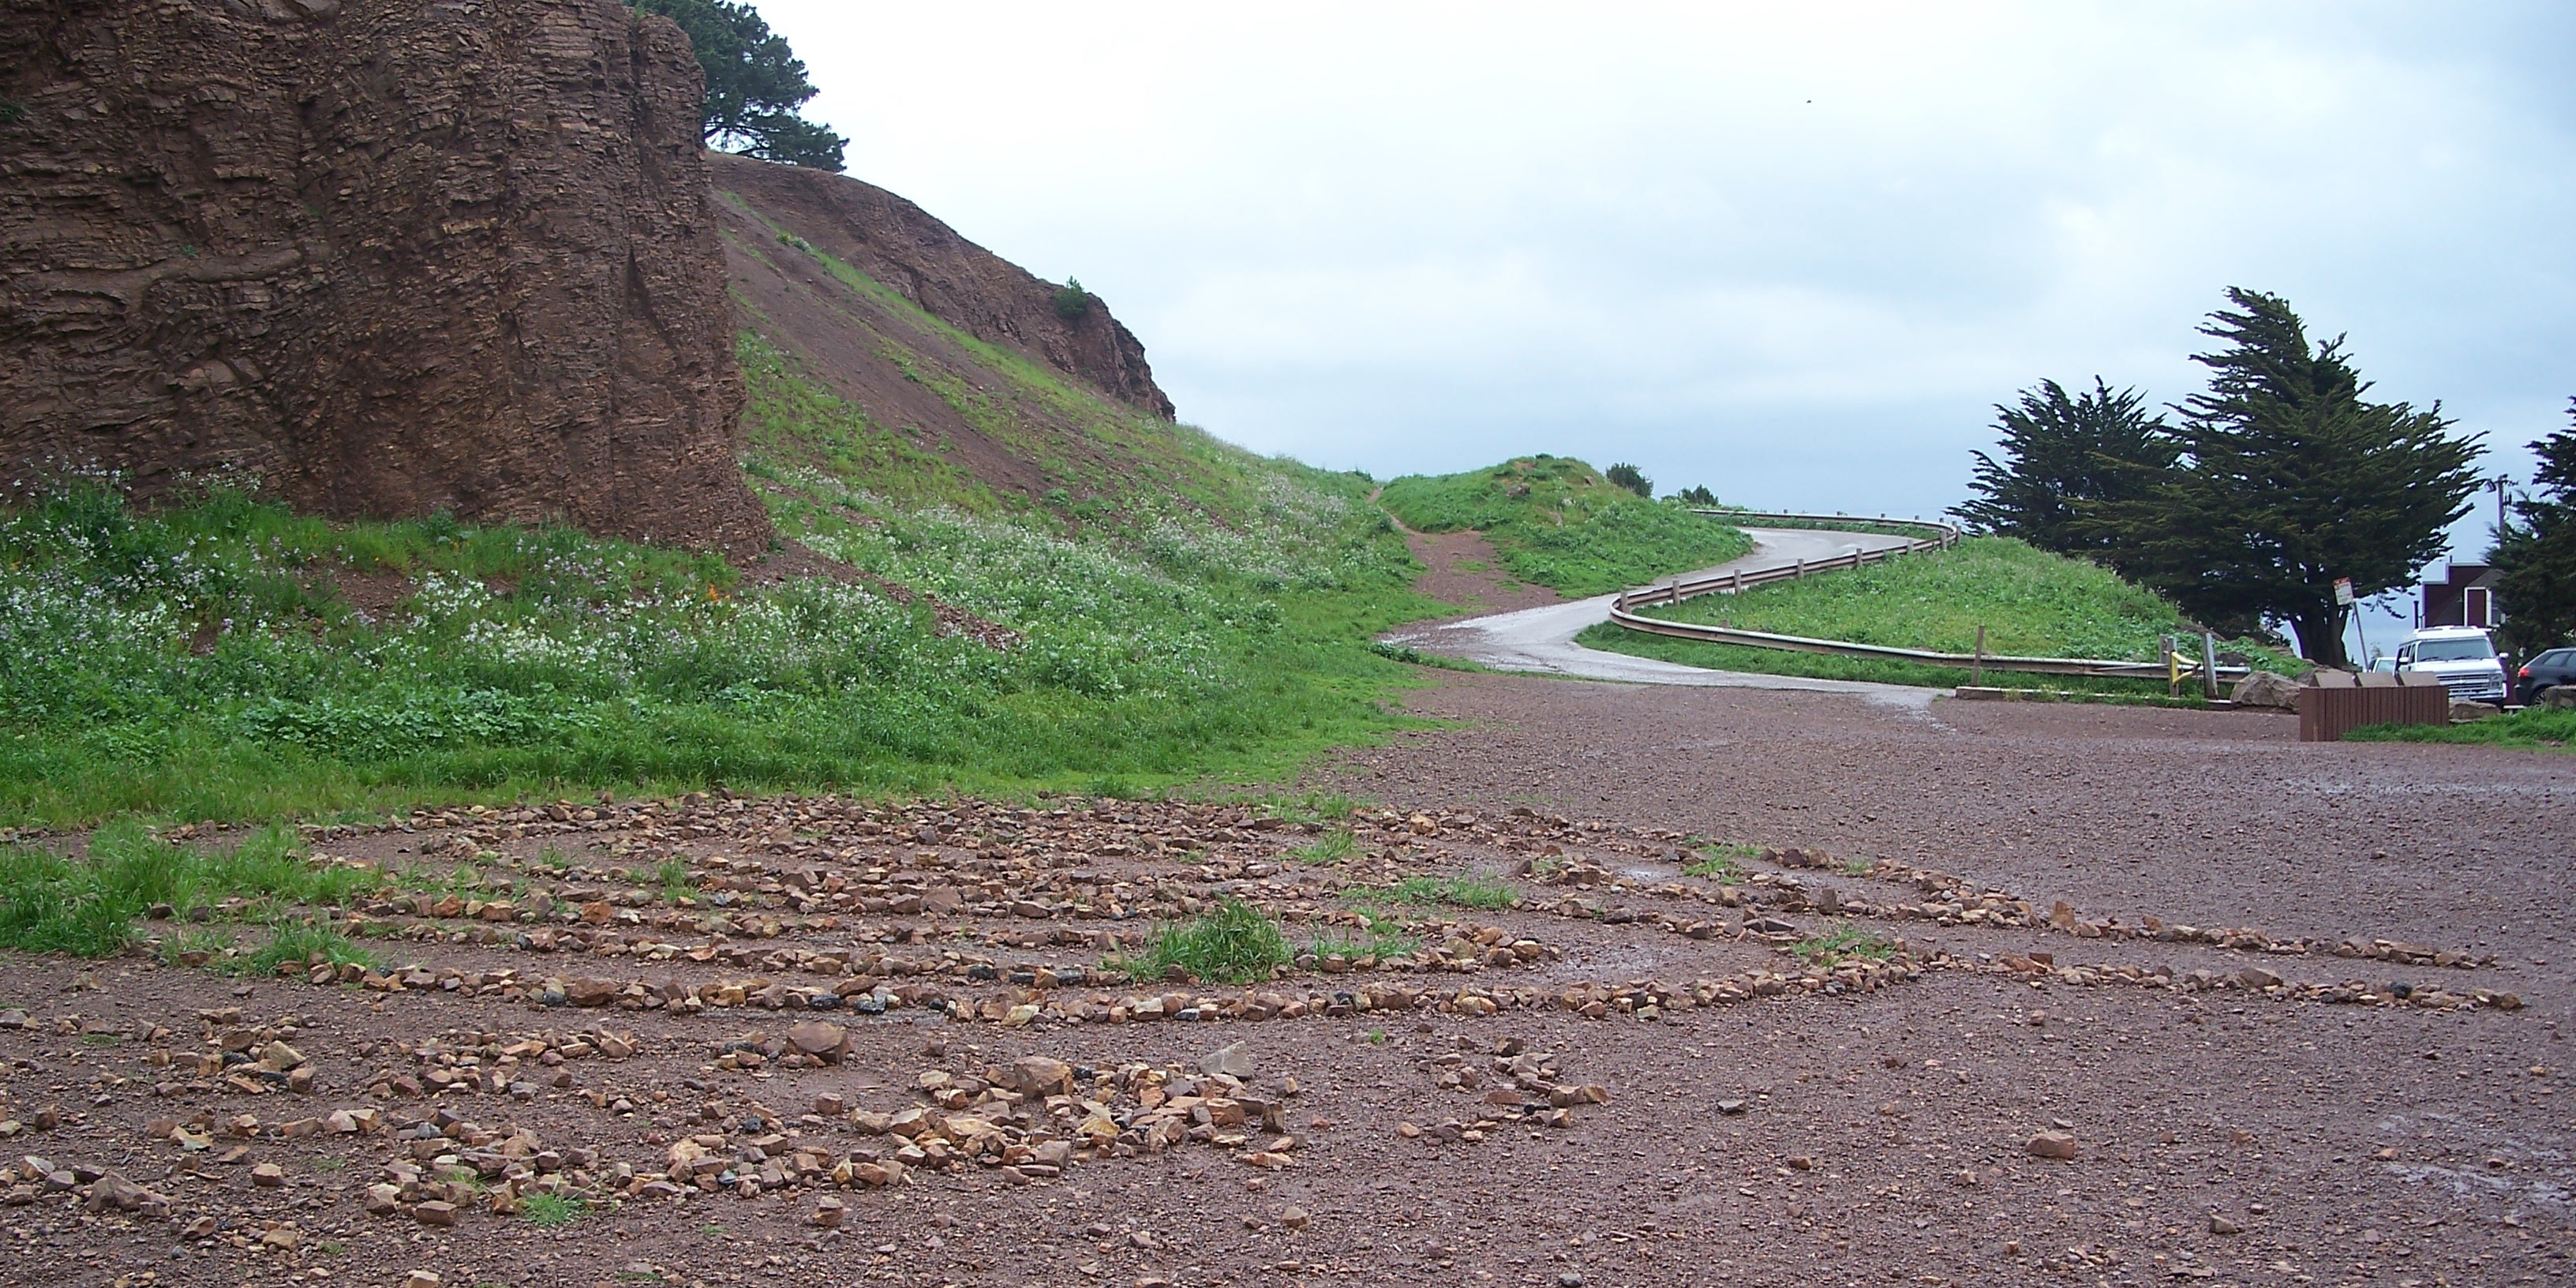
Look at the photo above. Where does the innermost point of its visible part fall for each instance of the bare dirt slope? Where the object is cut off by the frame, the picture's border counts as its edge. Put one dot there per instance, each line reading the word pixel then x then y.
pixel 1462 568
pixel 2302 1034
pixel 941 341
pixel 391 258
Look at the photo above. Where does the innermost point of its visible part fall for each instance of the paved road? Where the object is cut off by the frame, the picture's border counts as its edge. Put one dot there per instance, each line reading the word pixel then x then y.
pixel 1542 639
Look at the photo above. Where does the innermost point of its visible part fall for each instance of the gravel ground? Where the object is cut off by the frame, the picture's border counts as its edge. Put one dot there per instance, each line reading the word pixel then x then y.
pixel 1871 1125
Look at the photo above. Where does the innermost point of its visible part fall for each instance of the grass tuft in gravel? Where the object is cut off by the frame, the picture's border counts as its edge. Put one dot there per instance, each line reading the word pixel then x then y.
pixel 1233 943
pixel 1723 860
pixel 1335 846
pixel 1381 936
pixel 304 943
pixel 1845 940
pixel 1474 890
pixel 552 1209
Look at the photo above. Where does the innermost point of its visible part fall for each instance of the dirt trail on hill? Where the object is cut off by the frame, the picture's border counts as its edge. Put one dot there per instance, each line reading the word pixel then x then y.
pixel 1463 568
pixel 2131 997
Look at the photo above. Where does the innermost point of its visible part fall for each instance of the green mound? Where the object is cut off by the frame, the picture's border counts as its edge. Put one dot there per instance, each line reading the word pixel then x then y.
pixel 2031 603
pixel 1556 522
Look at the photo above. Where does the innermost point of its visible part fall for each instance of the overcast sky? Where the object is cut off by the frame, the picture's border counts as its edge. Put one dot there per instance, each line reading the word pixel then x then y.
pixel 1794 252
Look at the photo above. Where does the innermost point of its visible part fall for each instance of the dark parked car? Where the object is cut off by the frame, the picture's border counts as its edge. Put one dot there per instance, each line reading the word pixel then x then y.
pixel 2557 666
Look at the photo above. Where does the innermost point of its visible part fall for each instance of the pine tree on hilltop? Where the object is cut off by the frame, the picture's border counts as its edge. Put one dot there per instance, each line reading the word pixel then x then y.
pixel 755 83
pixel 2536 562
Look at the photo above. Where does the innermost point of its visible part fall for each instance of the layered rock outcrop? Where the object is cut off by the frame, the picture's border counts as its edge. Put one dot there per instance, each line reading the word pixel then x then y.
pixel 392 256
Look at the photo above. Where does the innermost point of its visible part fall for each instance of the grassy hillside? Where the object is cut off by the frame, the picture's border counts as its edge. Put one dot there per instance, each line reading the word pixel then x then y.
pixel 1193 613
pixel 230 659
pixel 2029 601
pixel 1556 522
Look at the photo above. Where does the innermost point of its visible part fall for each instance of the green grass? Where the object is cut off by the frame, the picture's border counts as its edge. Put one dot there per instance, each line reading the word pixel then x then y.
pixel 1722 860
pixel 1473 890
pixel 1335 846
pixel 543 1209
pixel 304 942
pixel 1380 936
pixel 198 661
pixel 2030 602
pixel 1844 940
pixel 2533 728
pixel 674 876
pixel 87 905
pixel 1185 616
pixel 1557 523
pixel 1233 943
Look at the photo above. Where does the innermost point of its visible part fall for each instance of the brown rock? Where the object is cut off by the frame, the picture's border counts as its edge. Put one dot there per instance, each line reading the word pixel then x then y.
pixel 113 1192
pixel 421 1279
pixel 268 1176
pixel 2221 1224
pixel 411 295
pixel 591 992
pixel 435 1212
pixel 1296 1218
pixel 828 1212
pixel 1037 1075
pixel 824 1042
pixel 2052 1144
pixel 2266 689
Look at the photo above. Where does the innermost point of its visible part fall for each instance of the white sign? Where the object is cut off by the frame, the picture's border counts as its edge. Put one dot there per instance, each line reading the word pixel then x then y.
pixel 2343 592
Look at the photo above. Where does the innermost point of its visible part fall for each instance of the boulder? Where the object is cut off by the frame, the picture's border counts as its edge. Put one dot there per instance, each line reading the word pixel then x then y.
pixel 1037 1075
pixel 825 1042
pixel 2468 712
pixel 2052 1144
pixel 1233 1059
pixel 2266 689
pixel 2558 697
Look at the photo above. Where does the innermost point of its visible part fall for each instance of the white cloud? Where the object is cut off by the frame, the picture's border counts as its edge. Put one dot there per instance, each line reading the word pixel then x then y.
pixel 1794 251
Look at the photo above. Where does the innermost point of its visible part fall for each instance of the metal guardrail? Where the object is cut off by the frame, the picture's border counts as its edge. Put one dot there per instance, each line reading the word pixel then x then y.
pixel 1941 536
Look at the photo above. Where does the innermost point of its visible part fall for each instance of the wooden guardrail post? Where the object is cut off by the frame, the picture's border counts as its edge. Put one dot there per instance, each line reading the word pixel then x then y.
pixel 2209 665
pixel 1977 669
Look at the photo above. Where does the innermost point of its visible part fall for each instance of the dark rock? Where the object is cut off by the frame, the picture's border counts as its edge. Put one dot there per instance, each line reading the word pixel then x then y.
pixel 392 259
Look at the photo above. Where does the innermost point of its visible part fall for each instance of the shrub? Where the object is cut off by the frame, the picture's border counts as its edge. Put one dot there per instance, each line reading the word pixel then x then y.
pixel 1071 301
pixel 1631 478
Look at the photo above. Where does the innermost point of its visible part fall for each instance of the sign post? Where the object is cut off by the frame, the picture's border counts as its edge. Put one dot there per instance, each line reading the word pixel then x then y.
pixel 2344 599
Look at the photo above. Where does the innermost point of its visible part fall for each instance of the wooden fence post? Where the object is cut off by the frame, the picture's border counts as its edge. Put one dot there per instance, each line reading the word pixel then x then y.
pixel 2209 665
pixel 1977 668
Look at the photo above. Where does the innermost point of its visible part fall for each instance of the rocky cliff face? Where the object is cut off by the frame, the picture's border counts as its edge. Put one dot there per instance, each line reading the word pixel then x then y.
pixel 952 279
pixel 394 256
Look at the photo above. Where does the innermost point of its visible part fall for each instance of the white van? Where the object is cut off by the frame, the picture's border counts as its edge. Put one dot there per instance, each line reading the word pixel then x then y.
pixel 2462 656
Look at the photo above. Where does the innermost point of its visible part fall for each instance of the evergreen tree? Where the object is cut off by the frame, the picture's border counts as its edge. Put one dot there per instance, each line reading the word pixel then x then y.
pixel 2536 562
pixel 1630 477
pixel 2289 479
pixel 2062 456
pixel 755 83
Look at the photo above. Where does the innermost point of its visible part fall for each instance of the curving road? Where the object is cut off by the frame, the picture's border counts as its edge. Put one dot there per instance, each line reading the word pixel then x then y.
pixel 1542 639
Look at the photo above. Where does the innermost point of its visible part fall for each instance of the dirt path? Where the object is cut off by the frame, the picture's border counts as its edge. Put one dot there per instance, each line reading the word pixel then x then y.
pixel 1463 568
pixel 1625 1079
